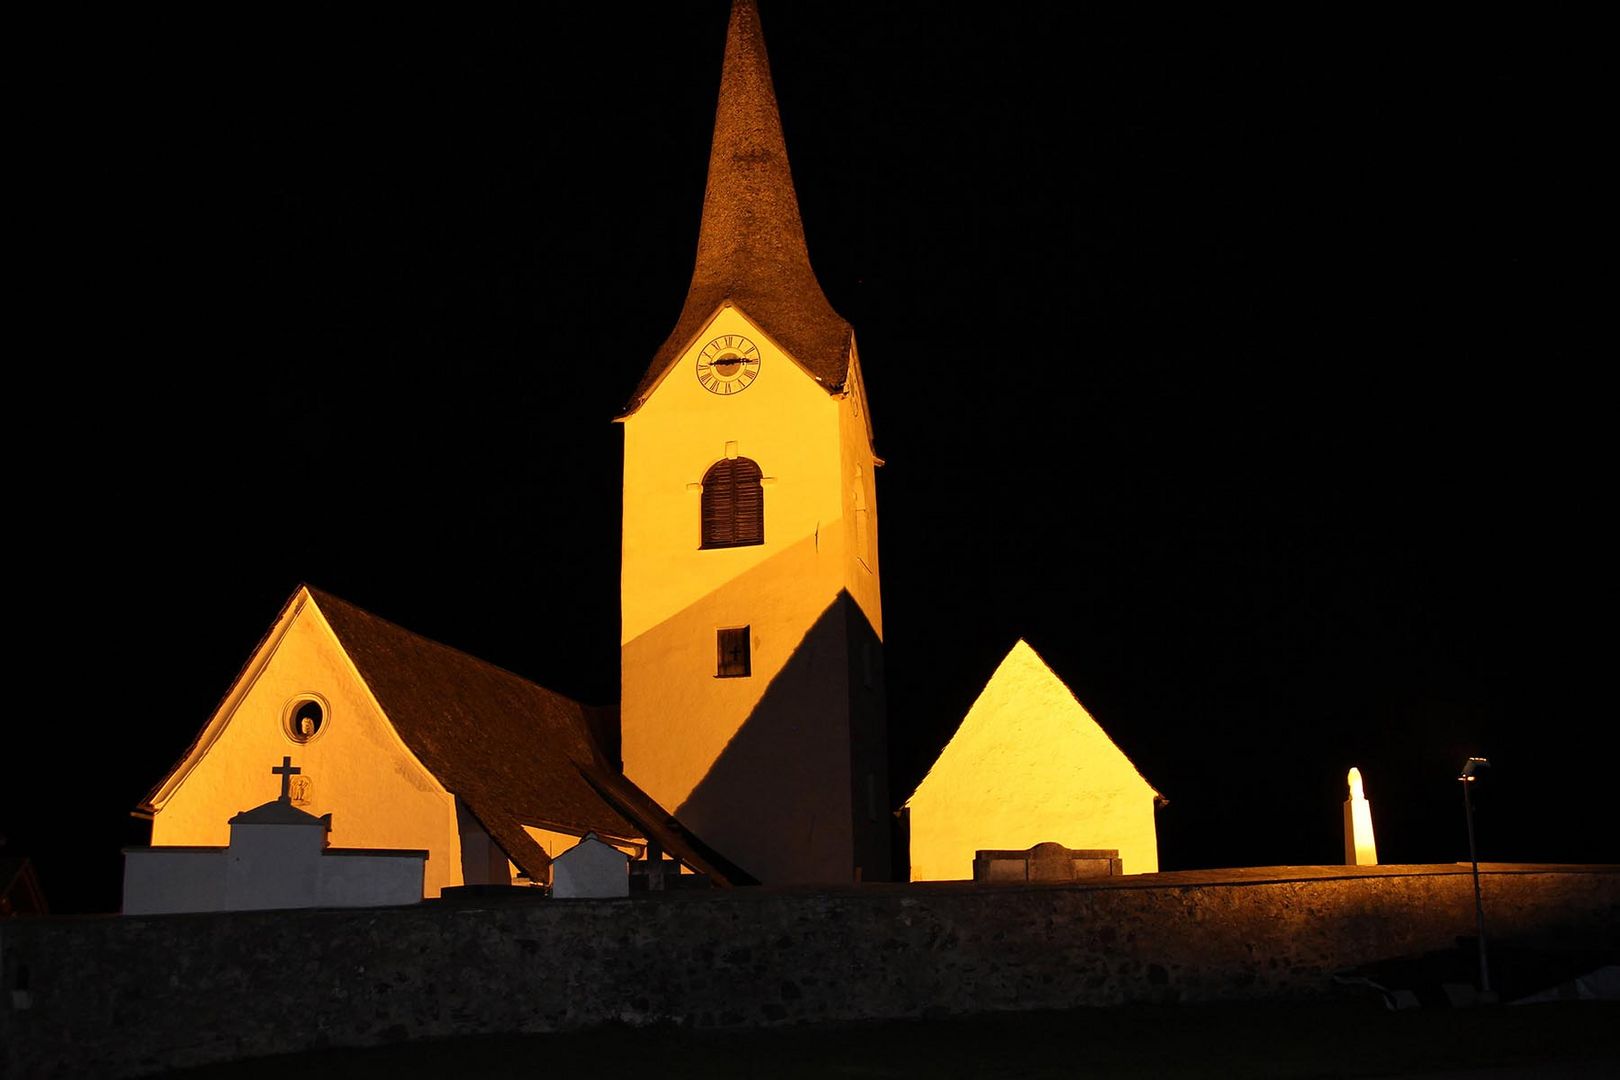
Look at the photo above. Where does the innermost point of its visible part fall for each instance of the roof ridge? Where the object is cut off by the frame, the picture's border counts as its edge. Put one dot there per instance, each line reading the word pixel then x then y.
pixel 145 805
pixel 321 596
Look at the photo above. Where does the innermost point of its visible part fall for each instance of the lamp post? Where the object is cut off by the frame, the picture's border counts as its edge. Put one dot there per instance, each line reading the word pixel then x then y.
pixel 1468 776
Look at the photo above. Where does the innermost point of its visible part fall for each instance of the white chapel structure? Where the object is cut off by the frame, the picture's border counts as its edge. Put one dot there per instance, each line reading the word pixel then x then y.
pixel 277 858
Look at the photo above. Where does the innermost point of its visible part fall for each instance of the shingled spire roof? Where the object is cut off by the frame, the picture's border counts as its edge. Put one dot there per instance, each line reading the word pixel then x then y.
pixel 751 248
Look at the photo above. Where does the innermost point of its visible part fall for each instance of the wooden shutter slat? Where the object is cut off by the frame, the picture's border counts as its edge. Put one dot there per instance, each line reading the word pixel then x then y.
pixel 733 504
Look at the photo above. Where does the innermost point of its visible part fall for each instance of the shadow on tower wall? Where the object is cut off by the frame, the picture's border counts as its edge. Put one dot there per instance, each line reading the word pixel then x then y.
pixel 799 794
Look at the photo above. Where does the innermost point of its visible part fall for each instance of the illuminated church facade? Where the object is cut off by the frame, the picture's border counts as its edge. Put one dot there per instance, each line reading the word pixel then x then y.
pixel 750 740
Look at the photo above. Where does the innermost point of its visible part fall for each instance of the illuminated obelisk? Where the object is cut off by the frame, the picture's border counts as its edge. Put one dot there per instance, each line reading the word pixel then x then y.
pixel 1359 847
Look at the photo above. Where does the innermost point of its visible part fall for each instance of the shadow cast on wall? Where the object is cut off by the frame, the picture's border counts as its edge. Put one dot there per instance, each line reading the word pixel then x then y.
pixel 800 791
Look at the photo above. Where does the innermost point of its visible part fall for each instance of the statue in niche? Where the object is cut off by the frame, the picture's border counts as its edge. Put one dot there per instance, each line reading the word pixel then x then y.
pixel 307 720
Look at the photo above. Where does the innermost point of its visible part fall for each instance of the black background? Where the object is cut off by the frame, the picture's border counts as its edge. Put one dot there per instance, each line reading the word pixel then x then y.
pixel 1242 369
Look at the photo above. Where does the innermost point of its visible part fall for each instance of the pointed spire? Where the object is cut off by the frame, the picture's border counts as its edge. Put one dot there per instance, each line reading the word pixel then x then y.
pixel 751 247
pixel 751 227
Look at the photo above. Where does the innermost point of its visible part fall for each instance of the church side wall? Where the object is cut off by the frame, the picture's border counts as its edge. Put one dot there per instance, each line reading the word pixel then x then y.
pixel 871 805
pixel 355 768
pixel 767 758
pixel 111 996
pixel 870 798
pixel 860 505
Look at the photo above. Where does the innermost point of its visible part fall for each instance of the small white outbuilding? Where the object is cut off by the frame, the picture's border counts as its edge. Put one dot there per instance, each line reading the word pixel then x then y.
pixel 590 868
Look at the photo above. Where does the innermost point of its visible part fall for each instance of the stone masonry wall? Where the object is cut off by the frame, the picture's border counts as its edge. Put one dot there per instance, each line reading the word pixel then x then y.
pixel 112 995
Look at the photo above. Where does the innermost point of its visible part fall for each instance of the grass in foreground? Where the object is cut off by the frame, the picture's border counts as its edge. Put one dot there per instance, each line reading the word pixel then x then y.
pixel 1253 1040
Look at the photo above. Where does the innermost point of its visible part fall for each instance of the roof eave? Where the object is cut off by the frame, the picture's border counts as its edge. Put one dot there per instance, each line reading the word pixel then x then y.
pixel 669 357
pixel 211 729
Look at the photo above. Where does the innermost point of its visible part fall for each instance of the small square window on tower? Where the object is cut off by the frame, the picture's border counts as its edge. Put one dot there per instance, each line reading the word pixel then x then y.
pixel 733 652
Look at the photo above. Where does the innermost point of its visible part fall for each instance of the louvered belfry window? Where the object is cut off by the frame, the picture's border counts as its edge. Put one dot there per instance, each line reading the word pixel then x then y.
pixel 733 504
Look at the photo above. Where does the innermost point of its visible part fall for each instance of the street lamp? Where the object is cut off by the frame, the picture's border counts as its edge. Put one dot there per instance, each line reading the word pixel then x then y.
pixel 1469 774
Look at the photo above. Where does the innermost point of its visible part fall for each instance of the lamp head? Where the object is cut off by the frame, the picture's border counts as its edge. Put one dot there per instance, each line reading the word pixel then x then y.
pixel 1471 767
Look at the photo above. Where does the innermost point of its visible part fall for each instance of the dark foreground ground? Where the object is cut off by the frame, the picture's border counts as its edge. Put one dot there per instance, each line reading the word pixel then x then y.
pixel 1573 1039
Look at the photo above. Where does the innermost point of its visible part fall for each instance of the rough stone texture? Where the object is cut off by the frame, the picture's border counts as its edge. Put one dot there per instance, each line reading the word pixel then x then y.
pixel 120 996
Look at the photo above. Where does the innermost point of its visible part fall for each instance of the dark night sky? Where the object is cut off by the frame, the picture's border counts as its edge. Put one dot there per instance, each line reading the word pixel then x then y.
pixel 1238 367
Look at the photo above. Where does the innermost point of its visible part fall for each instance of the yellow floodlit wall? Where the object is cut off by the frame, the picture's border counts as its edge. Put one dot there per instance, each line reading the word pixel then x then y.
pixel 356 768
pixel 779 741
pixel 1027 765
pixel 783 421
pixel 858 502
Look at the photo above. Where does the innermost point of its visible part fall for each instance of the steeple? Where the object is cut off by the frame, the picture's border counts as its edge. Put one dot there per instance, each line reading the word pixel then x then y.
pixel 751 248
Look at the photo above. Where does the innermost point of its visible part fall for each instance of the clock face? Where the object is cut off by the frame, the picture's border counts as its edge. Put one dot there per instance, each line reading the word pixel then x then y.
pixel 728 364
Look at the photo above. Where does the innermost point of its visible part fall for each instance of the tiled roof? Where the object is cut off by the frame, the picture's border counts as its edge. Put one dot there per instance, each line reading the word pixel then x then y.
pixel 512 751
pixel 506 746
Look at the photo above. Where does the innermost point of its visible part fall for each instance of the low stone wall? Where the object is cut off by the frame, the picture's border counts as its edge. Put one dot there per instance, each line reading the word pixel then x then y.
pixel 125 995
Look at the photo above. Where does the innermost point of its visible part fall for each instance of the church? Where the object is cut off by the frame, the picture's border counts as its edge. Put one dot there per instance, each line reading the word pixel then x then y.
pixel 749 742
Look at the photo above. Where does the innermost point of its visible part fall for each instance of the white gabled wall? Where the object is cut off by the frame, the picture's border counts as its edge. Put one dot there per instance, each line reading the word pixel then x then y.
pixel 1028 765
pixel 357 767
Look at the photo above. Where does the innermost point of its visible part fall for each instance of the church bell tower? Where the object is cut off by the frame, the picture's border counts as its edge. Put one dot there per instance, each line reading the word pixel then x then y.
pixel 752 702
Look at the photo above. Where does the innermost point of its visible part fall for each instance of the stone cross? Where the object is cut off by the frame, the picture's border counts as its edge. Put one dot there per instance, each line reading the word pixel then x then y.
pixel 286 770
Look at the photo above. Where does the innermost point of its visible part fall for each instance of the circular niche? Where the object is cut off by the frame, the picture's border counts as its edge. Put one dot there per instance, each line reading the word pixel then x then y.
pixel 305 717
